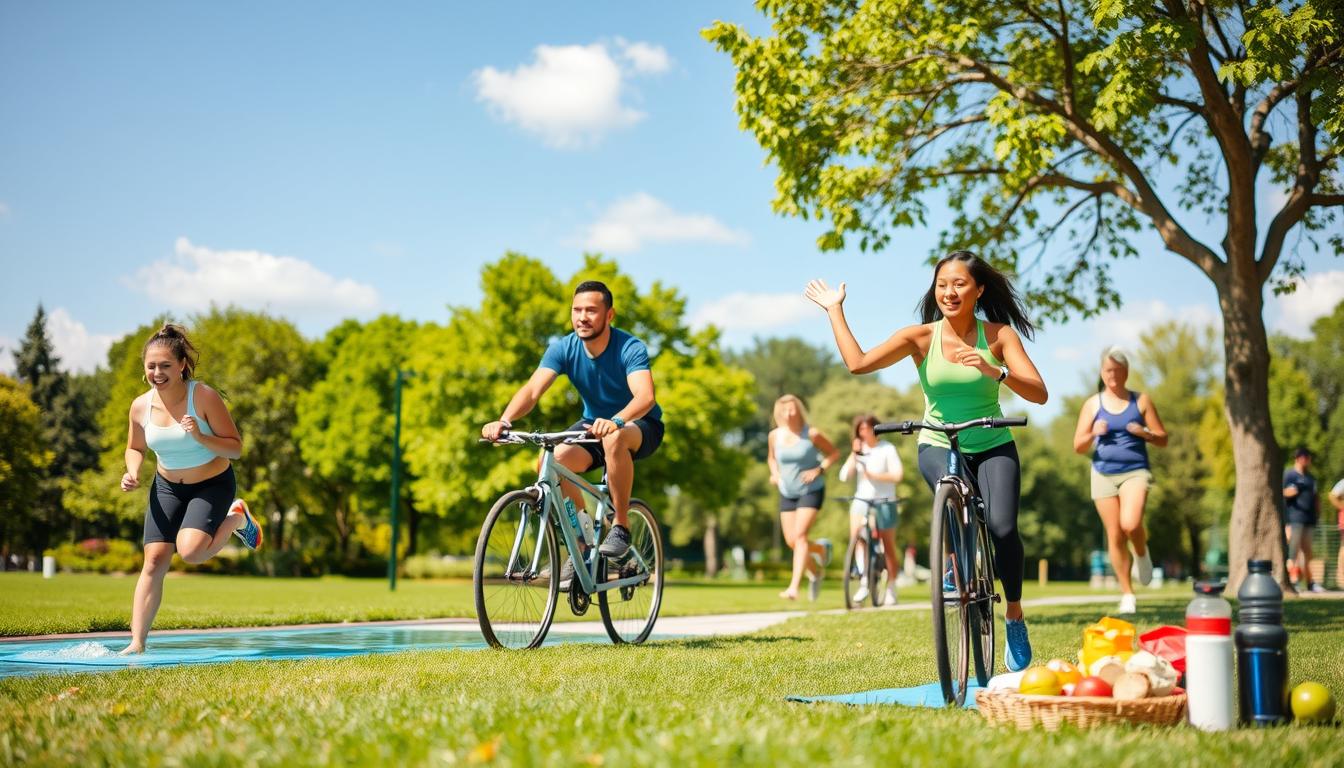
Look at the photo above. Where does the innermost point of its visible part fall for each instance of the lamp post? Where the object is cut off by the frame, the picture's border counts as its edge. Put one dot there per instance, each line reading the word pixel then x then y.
pixel 396 476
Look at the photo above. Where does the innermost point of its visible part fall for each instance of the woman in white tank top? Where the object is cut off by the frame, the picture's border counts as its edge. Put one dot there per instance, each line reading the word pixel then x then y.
pixel 192 509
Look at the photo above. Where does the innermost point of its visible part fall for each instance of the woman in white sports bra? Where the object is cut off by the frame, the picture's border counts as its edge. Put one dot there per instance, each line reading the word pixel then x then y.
pixel 192 509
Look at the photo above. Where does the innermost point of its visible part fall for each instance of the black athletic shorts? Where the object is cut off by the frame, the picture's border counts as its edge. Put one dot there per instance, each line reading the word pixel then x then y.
pixel 809 500
pixel 650 428
pixel 174 506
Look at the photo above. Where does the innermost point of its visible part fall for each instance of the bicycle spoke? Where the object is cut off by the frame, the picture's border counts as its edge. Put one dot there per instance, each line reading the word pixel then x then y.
pixel 514 577
pixel 629 612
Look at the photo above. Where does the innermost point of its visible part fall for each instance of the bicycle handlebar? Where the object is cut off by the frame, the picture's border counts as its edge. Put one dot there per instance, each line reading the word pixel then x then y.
pixel 988 422
pixel 573 437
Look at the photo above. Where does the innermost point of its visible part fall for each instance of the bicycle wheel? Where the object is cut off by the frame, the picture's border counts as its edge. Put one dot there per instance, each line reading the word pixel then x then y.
pixel 629 612
pixel 981 609
pixel 951 636
pixel 855 573
pixel 515 577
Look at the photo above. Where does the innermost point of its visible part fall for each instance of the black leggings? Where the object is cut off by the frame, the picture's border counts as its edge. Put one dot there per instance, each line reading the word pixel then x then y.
pixel 999 477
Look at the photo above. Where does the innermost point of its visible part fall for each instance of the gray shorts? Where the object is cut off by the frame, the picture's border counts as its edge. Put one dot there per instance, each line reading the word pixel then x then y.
pixel 1296 533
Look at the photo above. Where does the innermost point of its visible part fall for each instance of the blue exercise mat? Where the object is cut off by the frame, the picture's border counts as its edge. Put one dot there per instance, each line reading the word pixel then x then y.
pixel 930 695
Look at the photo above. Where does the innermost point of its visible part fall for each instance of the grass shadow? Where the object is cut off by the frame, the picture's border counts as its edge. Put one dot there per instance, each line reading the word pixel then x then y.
pixel 729 641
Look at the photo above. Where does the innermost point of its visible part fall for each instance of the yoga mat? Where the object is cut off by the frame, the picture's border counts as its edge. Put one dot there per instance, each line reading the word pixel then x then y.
pixel 930 695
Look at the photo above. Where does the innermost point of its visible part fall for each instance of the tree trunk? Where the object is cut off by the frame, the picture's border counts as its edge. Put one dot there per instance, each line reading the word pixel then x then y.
pixel 711 547
pixel 1256 531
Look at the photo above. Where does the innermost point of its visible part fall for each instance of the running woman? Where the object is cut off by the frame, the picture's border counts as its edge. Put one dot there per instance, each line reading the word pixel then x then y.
pixel 192 509
pixel 798 456
pixel 878 469
pixel 962 363
pixel 1116 426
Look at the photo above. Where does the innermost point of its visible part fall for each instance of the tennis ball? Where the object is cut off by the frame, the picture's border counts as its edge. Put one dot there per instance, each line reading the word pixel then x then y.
pixel 1313 703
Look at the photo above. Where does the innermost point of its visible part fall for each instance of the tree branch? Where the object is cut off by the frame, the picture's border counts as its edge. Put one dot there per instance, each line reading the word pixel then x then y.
pixel 1325 201
pixel 1299 200
pixel 1260 140
pixel 1145 199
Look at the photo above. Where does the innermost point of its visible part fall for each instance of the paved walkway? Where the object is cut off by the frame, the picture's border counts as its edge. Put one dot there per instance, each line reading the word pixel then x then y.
pixel 682 626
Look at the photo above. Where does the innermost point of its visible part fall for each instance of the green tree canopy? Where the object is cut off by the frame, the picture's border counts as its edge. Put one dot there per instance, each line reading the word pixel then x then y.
pixel 782 366
pixel 23 459
pixel 1070 122
pixel 345 421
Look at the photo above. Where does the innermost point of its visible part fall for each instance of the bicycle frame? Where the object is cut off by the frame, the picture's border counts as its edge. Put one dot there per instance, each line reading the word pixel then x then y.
pixel 548 488
pixel 966 487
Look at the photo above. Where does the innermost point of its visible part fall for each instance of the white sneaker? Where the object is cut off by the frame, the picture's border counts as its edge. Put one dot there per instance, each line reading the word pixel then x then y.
pixel 1128 604
pixel 862 594
pixel 1143 568
pixel 889 598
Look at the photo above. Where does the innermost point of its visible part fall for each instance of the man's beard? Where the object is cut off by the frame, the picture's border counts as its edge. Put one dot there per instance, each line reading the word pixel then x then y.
pixel 593 332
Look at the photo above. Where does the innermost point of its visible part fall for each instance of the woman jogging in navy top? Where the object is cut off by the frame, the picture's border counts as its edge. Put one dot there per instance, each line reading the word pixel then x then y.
pixel 192 509
pixel 1116 426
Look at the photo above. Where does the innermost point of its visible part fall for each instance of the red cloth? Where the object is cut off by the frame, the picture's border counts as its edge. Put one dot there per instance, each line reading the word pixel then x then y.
pixel 1166 642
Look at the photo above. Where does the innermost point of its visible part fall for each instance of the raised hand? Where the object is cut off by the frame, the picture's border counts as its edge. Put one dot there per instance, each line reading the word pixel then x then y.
pixel 1099 428
pixel 823 295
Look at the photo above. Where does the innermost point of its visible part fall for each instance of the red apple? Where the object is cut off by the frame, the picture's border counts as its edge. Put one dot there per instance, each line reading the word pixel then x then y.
pixel 1092 686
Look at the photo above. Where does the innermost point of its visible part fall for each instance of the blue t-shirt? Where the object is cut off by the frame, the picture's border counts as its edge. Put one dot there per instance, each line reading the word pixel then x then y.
pixel 1300 509
pixel 601 381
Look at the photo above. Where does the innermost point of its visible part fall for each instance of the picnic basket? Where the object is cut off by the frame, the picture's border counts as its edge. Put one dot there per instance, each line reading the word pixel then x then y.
pixel 1028 711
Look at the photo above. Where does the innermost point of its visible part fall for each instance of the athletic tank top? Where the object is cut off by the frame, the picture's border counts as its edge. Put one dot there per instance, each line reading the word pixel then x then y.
pixel 793 460
pixel 1118 451
pixel 954 392
pixel 172 446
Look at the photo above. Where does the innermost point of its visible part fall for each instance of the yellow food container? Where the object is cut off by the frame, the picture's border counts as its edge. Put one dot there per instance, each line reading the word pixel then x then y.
pixel 1108 637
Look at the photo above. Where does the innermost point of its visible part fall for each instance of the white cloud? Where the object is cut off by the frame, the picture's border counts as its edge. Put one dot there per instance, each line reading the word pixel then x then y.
pixel 569 95
pixel 1317 295
pixel 748 312
pixel 78 349
pixel 631 223
pixel 646 58
pixel 4 209
pixel 197 277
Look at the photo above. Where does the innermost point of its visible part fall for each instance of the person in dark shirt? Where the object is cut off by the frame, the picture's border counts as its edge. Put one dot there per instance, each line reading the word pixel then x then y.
pixel 1300 512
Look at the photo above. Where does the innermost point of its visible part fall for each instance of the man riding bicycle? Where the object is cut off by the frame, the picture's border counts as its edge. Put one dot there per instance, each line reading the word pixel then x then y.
pixel 610 370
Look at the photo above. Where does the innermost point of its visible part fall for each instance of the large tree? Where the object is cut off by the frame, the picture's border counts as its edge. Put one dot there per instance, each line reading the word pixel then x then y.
pixel 1070 121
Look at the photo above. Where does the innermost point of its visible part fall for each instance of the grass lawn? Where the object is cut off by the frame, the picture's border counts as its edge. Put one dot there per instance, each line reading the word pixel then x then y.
pixel 30 604
pixel 711 702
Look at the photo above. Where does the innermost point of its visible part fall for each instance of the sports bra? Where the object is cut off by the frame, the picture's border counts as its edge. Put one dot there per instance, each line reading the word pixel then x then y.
pixel 173 447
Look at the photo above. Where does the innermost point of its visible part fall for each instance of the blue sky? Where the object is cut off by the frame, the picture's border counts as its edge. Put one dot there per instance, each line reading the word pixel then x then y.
pixel 343 159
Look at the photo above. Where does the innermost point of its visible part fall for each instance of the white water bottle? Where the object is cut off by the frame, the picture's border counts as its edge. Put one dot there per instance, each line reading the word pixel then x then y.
pixel 586 525
pixel 1208 659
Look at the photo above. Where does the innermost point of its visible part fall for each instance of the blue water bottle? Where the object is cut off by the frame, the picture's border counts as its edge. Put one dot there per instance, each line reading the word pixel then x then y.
pixel 1262 649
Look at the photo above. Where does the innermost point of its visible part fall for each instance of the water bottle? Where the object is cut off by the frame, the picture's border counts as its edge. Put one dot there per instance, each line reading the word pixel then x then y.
pixel 1208 658
pixel 572 514
pixel 586 525
pixel 1262 648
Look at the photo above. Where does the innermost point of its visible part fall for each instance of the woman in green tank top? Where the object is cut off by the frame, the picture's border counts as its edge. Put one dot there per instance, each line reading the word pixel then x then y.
pixel 962 362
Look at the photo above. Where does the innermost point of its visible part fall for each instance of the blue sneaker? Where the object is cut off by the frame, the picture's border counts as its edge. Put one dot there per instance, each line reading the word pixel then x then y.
pixel 1017 652
pixel 949 585
pixel 250 530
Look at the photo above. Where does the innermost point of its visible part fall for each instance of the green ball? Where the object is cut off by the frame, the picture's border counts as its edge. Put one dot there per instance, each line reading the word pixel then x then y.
pixel 1313 703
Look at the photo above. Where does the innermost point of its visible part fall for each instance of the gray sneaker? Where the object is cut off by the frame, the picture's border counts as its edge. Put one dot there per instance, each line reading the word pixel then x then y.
pixel 616 544
pixel 566 574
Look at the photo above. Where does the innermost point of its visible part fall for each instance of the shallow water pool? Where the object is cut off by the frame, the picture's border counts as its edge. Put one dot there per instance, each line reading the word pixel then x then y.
pixel 44 657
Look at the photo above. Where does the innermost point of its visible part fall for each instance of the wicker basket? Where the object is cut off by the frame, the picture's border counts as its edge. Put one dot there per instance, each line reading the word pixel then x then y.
pixel 1026 712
